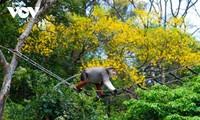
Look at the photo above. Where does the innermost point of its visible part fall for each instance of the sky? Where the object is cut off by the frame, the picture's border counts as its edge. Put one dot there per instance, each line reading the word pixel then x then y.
pixel 194 18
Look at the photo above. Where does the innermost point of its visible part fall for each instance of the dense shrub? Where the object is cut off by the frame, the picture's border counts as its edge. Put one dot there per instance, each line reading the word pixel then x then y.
pixel 162 102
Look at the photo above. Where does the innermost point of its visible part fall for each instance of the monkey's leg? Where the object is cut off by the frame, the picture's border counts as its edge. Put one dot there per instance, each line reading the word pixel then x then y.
pixel 83 76
pixel 99 89
pixel 81 84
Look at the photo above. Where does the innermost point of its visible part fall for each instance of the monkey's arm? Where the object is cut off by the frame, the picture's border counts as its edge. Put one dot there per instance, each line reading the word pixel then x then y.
pixel 109 85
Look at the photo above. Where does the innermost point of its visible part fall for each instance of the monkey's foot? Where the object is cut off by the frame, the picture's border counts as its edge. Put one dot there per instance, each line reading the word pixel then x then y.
pixel 78 90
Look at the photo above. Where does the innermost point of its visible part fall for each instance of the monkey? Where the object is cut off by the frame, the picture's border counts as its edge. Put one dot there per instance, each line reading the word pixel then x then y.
pixel 98 76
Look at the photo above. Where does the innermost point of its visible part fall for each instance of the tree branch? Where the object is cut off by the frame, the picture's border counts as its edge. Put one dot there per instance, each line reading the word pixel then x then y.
pixel 179 5
pixel 151 2
pixel 3 62
pixel 195 31
pixel 188 7
pixel 195 9
pixel 120 15
pixel 165 17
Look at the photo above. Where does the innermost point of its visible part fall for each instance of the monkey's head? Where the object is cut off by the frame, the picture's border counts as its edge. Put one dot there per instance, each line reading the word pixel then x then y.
pixel 112 71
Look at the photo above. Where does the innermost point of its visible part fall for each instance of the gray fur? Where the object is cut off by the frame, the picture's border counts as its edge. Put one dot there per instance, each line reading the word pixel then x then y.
pixel 97 75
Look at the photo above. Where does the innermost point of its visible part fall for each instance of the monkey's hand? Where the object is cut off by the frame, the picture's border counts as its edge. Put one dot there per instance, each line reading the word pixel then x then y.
pixel 115 92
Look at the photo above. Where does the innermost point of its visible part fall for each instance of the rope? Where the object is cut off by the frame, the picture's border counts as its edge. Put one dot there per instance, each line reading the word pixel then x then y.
pixel 36 65
pixel 46 70
pixel 66 80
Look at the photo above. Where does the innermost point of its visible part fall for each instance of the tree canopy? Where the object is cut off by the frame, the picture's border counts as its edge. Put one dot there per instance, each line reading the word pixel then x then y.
pixel 143 40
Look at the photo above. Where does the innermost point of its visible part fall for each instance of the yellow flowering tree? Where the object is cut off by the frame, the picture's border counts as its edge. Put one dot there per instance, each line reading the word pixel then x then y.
pixel 44 38
pixel 103 40
pixel 130 47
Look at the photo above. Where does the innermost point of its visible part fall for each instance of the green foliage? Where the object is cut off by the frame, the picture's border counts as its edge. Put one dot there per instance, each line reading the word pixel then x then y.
pixel 62 7
pixel 158 102
pixel 17 111
pixel 31 93
pixel 33 97
pixel 161 102
pixel 8 33
pixel 9 30
pixel 84 108
pixel 178 117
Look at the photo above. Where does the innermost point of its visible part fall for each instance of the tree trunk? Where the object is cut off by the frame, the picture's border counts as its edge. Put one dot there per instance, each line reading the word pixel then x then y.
pixel 5 91
pixel 152 72
pixel 162 74
pixel 10 68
